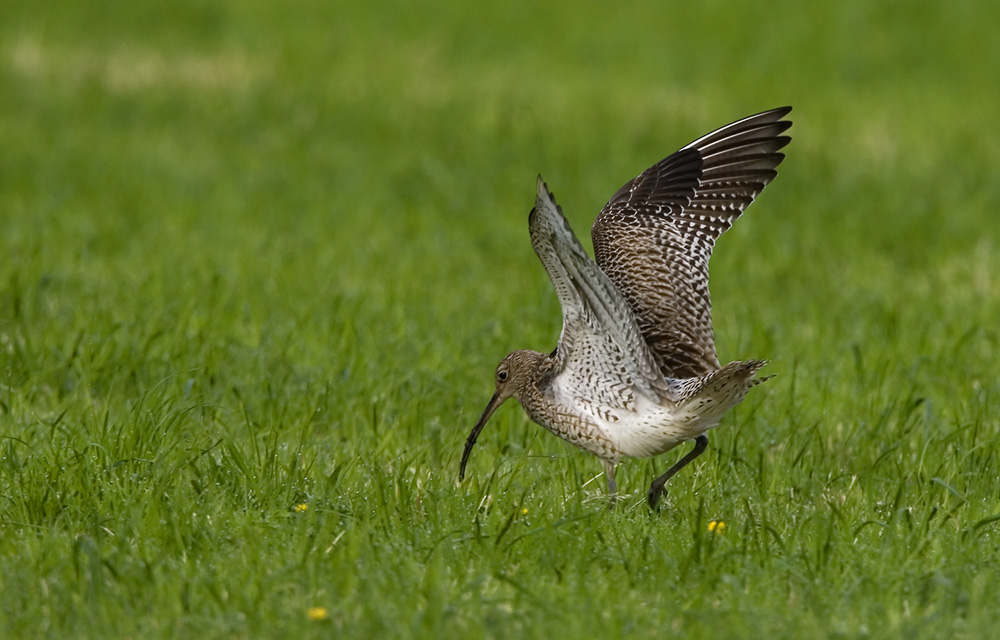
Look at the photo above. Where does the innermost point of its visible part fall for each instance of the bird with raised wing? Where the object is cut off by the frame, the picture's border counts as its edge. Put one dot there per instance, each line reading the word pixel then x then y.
pixel 635 372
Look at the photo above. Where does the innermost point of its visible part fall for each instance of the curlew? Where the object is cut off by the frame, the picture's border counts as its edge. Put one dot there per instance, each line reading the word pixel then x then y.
pixel 635 372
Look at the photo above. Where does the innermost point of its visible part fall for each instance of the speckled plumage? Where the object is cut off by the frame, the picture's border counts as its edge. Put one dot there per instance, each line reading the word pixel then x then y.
pixel 635 372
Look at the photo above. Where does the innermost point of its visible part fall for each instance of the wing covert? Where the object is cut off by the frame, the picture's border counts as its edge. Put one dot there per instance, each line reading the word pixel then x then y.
pixel 598 325
pixel 655 236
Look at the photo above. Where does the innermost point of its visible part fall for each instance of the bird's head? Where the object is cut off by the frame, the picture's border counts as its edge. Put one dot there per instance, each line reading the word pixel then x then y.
pixel 512 376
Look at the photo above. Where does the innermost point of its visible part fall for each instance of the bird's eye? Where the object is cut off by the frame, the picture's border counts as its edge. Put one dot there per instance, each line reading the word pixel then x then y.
pixel 502 376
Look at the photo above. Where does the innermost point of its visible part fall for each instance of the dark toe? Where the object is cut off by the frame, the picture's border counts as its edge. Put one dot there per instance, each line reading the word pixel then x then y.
pixel 654 496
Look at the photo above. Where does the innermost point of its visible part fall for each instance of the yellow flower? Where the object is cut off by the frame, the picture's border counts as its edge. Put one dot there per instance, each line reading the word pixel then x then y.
pixel 717 526
pixel 317 613
pixel 524 511
pixel 300 507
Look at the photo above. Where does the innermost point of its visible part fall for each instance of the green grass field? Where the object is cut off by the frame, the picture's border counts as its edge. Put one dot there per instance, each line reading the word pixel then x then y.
pixel 258 261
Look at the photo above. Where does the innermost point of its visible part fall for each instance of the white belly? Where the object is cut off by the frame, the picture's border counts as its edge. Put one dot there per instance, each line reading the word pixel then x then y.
pixel 653 433
pixel 652 429
pixel 622 422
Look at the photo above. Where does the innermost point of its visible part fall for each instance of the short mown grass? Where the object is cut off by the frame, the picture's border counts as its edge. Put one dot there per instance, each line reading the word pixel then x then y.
pixel 258 261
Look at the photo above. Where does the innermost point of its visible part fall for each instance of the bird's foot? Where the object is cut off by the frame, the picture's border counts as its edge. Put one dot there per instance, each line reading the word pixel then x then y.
pixel 613 500
pixel 655 492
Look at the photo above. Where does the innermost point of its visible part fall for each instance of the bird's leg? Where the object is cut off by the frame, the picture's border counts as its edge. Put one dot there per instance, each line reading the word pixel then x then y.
pixel 656 488
pixel 609 473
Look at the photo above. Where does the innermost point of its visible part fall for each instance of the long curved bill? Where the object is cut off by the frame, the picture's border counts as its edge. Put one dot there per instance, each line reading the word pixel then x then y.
pixel 495 402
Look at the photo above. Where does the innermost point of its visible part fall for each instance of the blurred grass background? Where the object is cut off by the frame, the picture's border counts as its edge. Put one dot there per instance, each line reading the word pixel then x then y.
pixel 258 261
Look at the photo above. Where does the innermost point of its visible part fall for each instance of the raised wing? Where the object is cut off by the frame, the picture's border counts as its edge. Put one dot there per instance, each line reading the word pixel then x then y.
pixel 655 236
pixel 601 351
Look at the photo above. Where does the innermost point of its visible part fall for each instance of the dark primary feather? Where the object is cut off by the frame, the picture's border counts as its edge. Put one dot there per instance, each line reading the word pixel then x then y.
pixel 655 236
